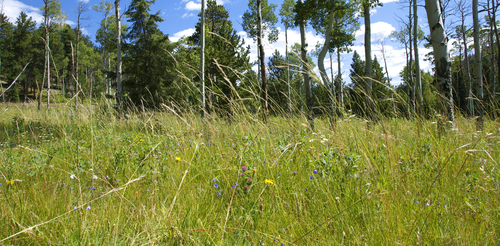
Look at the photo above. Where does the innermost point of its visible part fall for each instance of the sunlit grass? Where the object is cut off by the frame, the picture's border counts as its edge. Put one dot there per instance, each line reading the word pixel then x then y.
pixel 87 177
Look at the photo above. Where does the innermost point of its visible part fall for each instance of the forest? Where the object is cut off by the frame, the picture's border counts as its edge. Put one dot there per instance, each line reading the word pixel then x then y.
pixel 137 139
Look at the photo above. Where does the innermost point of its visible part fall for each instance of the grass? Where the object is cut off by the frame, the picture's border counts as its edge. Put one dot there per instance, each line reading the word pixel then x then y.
pixel 83 176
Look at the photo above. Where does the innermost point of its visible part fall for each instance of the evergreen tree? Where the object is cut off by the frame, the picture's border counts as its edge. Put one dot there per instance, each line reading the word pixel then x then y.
pixel 23 50
pixel 147 64
pixel 226 56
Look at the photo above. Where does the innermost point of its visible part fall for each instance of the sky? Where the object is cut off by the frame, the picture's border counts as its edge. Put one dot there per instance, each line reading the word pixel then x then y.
pixel 181 17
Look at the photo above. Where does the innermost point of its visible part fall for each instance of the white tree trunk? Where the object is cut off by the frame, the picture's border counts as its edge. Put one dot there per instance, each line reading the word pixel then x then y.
pixel 305 71
pixel 418 80
pixel 202 60
pixel 262 61
pixel 118 56
pixel 439 42
pixel 479 66
pixel 321 60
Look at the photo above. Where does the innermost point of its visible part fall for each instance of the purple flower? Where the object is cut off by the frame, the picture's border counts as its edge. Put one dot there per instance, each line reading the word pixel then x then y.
pixel 311 177
pixel 214 180
pixel 75 208
pixel 315 171
pixel 244 168
pixel 249 180
pixel 88 208
pixel 218 193
pixel 216 185
pixel 294 172
pixel 242 174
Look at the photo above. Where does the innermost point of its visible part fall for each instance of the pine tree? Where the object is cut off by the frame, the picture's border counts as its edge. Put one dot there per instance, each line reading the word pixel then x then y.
pixel 226 57
pixel 147 62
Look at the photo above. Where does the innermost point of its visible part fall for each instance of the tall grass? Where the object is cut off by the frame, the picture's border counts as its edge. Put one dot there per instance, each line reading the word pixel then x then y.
pixel 86 176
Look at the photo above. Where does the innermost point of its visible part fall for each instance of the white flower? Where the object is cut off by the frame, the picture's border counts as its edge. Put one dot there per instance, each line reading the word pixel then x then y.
pixel 72 176
pixel 94 177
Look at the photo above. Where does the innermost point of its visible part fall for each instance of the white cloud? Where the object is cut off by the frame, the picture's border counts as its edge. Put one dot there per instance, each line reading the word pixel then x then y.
pixel 380 30
pixel 192 6
pixel 186 15
pixel 183 33
pixel 12 8
pixel 83 1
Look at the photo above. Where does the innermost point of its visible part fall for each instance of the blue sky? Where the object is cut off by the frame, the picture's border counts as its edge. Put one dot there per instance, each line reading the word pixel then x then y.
pixel 181 16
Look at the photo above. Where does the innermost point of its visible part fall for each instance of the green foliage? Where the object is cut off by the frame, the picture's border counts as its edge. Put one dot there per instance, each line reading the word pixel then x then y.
pixel 381 88
pixel 226 58
pixel 287 14
pixel 269 20
pixel 147 64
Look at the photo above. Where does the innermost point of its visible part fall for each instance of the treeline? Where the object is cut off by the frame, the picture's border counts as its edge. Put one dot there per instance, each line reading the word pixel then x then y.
pixel 159 71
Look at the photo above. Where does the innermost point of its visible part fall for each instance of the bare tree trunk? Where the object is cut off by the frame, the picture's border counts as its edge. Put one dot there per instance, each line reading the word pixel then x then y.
pixel 439 42
pixel 47 38
pixel 340 87
pixel 370 107
pixel 46 23
pixel 82 7
pixel 321 65
pixel 118 56
pixel 305 71
pixel 411 85
pixel 492 57
pixel 494 12
pixel 418 81
pixel 202 60
pixel 288 70
pixel 262 61
pixel 479 66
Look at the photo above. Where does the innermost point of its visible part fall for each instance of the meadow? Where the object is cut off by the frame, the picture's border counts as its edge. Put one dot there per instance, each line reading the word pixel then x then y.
pixel 85 176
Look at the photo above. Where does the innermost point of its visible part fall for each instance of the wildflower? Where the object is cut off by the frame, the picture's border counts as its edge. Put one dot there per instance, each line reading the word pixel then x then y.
pixel 294 172
pixel 269 182
pixel 94 177
pixel 249 180
pixel 70 189
pixel 216 185
pixel 10 182
pixel 75 208
pixel 218 193
pixel 242 174
pixel 214 180
pixel 107 177
pixel 72 176
pixel 315 171
pixel 244 168
pixel 88 208
pixel 254 169
pixel 311 177
pixel 234 186
pixel 177 159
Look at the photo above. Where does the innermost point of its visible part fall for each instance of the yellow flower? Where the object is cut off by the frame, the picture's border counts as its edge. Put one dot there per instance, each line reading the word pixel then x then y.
pixel 254 170
pixel 10 182
pixel 269 182
pixel 177 158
